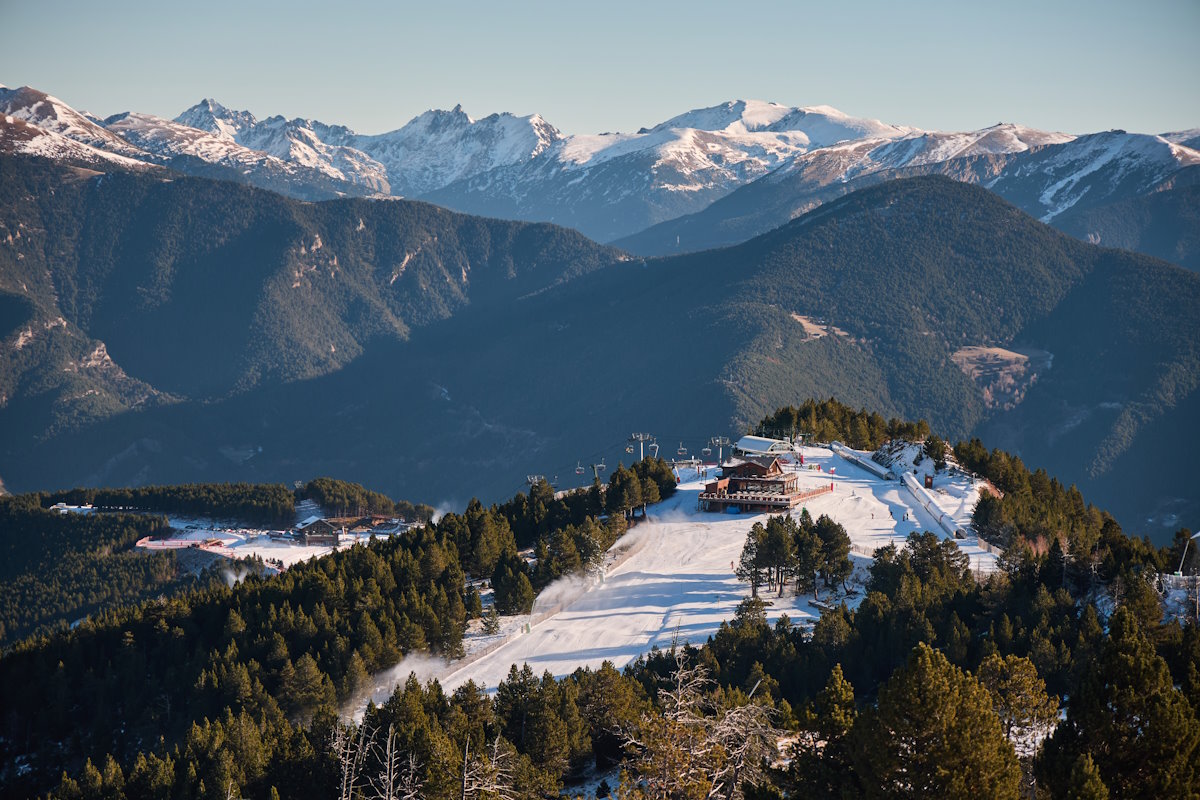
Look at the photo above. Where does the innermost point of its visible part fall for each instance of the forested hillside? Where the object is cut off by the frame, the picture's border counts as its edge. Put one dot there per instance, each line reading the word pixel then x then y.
pixel 268 649
pixel 234 690
pixel 240 287
pixel 550 349
pixel 57 569
pixel 1165 225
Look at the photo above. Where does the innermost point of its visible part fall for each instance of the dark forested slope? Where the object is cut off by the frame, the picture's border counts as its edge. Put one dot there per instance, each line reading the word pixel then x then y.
pixel 130 289
pixel 549 350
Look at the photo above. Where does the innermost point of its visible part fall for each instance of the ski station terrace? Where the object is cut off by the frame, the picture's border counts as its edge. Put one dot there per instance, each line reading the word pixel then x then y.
pixel 756 484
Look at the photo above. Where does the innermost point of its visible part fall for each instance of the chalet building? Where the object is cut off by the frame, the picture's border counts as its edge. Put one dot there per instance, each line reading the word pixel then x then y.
pixel 753 484
pixel 316 531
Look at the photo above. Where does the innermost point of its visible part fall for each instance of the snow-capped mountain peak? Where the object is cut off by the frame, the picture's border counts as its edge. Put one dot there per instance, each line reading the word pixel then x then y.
pixel 821 125
pixel 734 116
pixel 209 115
pixel 607 185
pixel 439 147
pixel 49 113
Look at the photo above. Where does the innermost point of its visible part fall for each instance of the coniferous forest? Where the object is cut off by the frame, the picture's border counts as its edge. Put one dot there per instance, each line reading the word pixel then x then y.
pixel 939 683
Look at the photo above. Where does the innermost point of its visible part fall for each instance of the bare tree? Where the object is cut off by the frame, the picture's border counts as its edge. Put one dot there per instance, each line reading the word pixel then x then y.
pixel 673 751
pixel 351 746
pixel 488 776
pixel 684 752
pixel 399 775
pixel 748 738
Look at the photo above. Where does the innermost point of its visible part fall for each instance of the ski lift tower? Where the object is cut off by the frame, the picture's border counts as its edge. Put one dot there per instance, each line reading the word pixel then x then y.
pixel 640 440
pixel 720 442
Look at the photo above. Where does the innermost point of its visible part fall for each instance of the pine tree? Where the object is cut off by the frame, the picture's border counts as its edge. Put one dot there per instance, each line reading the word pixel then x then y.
pixel 357 678
pixel 650 493
pixel 821 762
pixel 933 734
pixel 1018 697
pixel 777 550
pixel 1127 713
pixel 836 566
pixel 491 621
pixel 935 448
pixel 1086 783
pixel 808 560
pixel 523 595
pixel 750 562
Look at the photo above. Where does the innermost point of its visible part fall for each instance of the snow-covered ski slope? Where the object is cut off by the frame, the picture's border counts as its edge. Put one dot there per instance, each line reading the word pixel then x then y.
pixel 679 580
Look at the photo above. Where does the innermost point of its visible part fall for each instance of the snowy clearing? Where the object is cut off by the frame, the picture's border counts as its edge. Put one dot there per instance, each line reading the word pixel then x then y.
pixel 678 579
pixel 275 547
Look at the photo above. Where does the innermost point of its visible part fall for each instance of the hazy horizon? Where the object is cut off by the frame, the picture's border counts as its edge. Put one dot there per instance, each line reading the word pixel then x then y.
pixel 1071 67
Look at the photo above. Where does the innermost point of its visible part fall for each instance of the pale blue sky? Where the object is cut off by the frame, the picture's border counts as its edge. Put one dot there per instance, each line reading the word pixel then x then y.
pixel 589 67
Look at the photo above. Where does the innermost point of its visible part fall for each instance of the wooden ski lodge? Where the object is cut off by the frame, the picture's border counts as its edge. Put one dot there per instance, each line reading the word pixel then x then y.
pixel 757 483
pixel 317 531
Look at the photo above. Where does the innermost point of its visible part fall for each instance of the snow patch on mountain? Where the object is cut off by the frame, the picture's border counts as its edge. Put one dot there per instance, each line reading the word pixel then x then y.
pixel 54 116
pixel 209 115
pixel 854 159
pixel 170 139
pixel 1097 166
pixel 438 148
pixel 1189 138
pixel 312 144
pixel 19 136
pixel 434 149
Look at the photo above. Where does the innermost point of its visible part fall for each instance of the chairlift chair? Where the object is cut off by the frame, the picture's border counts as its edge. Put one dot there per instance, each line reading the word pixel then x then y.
pixel 706 451
pixel 578 467
pixel 653 448
pixel 682 451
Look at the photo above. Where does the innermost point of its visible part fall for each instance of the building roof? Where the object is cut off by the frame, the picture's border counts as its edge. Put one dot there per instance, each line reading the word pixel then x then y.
pixel 753 465
pixel 760 445
pixel 308 521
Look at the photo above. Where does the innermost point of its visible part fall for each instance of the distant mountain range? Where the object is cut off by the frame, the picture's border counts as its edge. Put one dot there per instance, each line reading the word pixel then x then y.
pixel 1061 180
pixel 164 328
pixel 705 178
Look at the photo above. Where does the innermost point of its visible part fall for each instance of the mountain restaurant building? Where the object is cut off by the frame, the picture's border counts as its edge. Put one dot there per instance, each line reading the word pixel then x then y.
pixel 316 531
pixel 753 484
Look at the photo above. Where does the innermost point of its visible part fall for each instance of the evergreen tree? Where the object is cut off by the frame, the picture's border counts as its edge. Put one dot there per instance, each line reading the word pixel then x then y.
pixel 650 493
pixel 821 763
pixel 933 734
pixel 808 560
pixel 1018 696
pixel 935 448
pixel 1127 713
pixel 836 565
pixel 750 566
pixel 491 621
pixel 610 706
pixel 777 550
pixel 523 595
pixel 1085 783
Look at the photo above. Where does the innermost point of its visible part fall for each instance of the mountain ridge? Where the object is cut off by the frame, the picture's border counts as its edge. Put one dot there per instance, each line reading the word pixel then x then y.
pixel 1046 175
pixel 514 376
pixel 639 189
